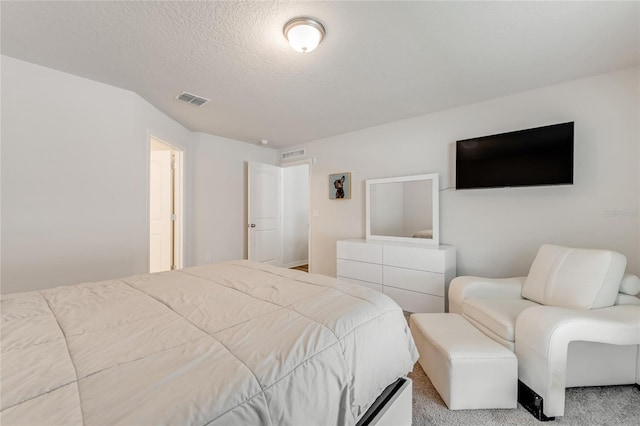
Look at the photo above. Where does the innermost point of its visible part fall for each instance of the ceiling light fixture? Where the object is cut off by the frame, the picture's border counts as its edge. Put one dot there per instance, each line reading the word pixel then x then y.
pixel 304 34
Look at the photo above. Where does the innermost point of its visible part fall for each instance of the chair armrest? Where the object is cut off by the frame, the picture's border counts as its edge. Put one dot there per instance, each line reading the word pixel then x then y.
pixel 543 334
pixel 540 327
pixel 476 287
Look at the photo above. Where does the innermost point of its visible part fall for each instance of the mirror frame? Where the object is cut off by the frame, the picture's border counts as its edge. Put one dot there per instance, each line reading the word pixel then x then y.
pixel 435 209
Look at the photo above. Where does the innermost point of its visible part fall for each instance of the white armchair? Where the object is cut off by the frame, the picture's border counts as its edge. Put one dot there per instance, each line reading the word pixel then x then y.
pixel 566 321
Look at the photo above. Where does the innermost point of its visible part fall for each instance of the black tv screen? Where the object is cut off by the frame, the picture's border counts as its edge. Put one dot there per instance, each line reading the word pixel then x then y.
pixel 540 156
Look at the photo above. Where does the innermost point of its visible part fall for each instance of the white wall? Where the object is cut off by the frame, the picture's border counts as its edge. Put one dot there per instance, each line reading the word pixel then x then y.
pixel 498 231
pixel 75 181
pixel 74 178
pixel 219 210
pixel 295 215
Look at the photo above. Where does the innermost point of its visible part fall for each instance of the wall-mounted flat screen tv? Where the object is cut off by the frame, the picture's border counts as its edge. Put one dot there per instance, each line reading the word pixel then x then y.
pixel 539 156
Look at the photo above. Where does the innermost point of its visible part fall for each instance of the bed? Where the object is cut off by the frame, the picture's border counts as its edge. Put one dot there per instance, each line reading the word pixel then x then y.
pixel 237 343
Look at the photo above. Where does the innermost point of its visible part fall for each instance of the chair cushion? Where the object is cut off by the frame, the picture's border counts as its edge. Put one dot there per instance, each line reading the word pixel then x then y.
pixel 497 315
pixel 574 278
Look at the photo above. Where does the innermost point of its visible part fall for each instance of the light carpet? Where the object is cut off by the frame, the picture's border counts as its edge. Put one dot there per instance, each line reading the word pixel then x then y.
pixel 602 405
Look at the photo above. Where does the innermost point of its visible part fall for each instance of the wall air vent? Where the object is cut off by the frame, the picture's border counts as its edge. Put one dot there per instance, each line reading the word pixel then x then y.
pixel 192 99
pixel 290 155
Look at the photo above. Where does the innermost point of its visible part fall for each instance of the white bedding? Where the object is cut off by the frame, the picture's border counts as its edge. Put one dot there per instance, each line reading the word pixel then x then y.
pixel 238 343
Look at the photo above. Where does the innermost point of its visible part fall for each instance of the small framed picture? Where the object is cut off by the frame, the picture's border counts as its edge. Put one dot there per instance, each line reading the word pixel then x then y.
pixel 340 186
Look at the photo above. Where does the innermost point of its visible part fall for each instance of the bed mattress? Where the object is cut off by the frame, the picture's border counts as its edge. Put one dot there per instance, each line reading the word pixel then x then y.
pixel 237 343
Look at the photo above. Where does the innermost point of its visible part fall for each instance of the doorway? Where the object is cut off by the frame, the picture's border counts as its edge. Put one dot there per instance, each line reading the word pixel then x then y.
pixel 165 206
pixel 295 215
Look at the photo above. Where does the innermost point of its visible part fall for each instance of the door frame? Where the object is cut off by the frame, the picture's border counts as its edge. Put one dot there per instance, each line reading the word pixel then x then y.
pixel 179 193
pixel 309 162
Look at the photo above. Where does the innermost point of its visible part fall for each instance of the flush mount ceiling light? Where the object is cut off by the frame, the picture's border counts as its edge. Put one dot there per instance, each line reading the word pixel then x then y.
pixel 304 34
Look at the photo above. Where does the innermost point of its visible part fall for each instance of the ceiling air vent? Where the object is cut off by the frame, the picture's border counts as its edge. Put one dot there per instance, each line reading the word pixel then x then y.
pixel 190 98
pixel 289 155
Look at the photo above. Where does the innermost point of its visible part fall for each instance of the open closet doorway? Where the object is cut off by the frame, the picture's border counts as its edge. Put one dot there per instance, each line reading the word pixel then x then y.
pixel 165 206
pixel 295 215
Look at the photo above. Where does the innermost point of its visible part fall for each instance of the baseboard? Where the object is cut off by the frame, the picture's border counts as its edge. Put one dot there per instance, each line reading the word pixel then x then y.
pixel 532 402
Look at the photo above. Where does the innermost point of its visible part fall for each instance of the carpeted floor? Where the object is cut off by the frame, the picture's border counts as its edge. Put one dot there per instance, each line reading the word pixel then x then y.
pixel 609 405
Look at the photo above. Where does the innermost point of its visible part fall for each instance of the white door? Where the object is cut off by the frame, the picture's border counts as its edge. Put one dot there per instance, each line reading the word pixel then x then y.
pixel 264 201
pixel 160 211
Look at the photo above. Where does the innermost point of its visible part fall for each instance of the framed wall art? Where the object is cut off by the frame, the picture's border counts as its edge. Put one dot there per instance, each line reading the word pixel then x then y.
pixel 340 186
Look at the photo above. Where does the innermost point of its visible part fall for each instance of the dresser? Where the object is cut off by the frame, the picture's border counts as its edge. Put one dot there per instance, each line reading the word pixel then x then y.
pixel 416 276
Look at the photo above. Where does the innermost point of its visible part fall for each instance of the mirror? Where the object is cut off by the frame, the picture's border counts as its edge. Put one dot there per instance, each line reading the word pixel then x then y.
pixel 403 209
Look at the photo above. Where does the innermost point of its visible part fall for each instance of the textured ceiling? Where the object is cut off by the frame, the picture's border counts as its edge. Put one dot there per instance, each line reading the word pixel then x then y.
pixel 379 62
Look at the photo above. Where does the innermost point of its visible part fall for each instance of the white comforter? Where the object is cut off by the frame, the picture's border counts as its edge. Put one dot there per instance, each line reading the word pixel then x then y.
pixel 238 343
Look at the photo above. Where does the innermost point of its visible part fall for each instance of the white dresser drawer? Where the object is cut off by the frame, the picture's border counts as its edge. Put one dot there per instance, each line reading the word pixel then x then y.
pixel 377 287
pixel 362 271
pixel 361 251
pixel 411 279
pixel 411 301
pixel 416 276
pixel 424 259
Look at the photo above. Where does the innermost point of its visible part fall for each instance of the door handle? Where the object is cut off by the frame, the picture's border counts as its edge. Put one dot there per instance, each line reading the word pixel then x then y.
pixel 253 225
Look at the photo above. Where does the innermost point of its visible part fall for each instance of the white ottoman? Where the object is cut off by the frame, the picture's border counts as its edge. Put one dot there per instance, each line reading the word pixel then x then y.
pixel 468 369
